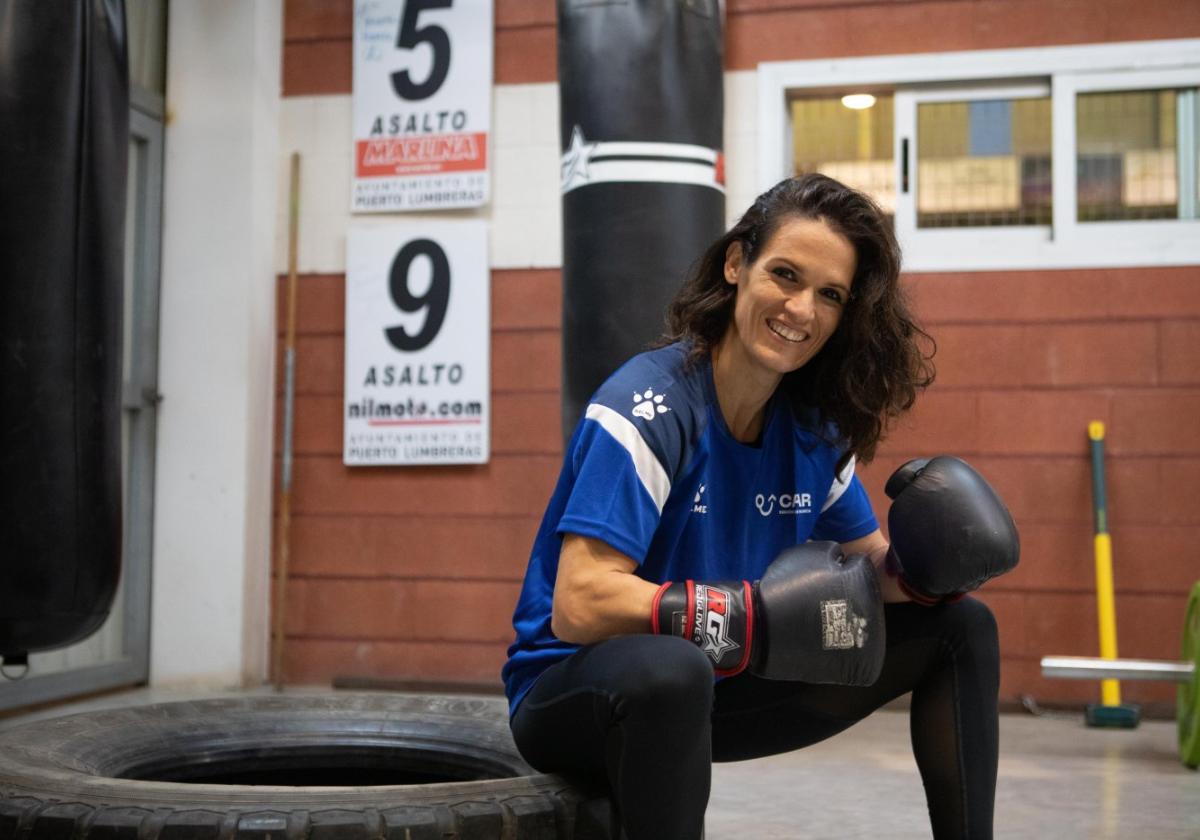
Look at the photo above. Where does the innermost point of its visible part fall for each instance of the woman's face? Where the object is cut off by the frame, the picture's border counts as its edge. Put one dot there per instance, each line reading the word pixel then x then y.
pixel 790 299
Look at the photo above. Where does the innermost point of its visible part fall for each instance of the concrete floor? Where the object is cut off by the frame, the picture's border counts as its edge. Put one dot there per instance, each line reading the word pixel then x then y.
pixel 1058 779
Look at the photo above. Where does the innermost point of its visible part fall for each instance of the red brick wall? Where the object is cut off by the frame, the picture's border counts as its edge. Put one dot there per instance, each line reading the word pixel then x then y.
pixel 317 33
pixel 317 49
pixel 412 573
pixel 1025 361
pixel 785 30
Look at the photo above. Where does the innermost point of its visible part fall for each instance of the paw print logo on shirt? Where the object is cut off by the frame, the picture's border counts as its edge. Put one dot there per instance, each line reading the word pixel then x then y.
pixel 648 404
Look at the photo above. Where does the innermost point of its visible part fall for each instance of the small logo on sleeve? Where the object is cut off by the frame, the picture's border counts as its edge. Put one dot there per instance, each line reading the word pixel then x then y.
pixel 698 503
pixel 648 404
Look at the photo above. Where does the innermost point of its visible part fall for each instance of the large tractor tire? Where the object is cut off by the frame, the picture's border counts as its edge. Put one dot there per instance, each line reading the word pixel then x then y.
pixel 401 767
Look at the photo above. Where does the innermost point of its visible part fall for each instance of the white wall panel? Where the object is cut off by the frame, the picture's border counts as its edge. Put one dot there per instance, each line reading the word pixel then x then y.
pixel 741 143
pixel 524 164
pixel 525 212
pixel 213 485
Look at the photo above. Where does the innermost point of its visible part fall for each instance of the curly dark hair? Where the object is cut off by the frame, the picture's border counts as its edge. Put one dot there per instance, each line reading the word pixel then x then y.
pixel 878 358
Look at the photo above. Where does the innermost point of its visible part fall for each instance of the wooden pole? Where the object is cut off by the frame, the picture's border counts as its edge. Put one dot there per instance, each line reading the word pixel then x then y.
pixel 289 388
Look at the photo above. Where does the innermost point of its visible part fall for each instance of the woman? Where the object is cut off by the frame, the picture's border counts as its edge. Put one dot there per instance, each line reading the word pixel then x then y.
pixel 792 348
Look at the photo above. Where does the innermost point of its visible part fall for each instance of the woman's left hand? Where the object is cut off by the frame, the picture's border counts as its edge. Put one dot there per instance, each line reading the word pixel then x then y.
pixel 875 546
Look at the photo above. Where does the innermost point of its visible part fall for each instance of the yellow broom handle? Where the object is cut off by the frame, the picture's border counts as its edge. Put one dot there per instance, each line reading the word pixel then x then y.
pixel 1106 611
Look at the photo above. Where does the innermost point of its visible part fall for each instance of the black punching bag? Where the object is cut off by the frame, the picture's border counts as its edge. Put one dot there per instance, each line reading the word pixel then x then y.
pixel 640 86
pixel 64 135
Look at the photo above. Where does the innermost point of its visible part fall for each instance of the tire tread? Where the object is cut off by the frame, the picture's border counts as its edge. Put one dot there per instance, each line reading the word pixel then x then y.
pixel 53 782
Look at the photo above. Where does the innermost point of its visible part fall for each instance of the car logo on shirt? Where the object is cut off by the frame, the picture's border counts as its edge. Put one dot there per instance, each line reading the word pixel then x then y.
pixel 784 504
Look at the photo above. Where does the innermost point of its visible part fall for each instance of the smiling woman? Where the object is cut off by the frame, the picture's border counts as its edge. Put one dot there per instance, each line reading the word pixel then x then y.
pixel 713 525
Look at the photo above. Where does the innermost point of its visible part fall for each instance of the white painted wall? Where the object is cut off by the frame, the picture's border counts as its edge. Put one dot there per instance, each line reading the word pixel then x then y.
pixel 741 143
pixel 525 214
pixel 213 483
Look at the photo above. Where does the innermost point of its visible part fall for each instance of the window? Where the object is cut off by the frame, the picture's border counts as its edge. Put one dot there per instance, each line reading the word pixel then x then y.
pixel 850 142
pixel 983 162
pixel 1126 155
pixel 1133 137
pixel 1089 157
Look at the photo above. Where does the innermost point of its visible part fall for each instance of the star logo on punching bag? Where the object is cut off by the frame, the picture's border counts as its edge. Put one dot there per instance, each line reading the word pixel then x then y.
pixel 575 161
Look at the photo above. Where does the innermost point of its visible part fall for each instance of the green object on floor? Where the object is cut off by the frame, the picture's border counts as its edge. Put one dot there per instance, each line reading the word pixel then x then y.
pixel 1188 697
pixel 1120 716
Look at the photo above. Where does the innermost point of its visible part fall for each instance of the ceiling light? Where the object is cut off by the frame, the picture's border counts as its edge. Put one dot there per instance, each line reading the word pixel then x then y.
pixel 858 101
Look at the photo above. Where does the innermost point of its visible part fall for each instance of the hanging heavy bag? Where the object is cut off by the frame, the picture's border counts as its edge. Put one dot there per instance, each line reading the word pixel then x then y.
pixel 640 83
pixel 64 135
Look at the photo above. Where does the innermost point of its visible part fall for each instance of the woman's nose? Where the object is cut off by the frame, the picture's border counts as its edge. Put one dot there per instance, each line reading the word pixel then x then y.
pixel 801 305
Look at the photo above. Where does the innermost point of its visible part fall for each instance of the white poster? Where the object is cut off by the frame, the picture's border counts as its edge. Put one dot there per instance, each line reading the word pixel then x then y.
pixel 422 104
pixel 417 344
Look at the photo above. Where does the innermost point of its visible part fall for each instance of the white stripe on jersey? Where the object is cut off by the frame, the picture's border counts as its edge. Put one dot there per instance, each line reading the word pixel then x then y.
pixel 654 478
pixel 840 482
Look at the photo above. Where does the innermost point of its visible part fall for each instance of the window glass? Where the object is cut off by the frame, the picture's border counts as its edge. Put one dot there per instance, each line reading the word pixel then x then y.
pixel 853 145
pixel 146 25
pixel 1129 151
pixel 983 163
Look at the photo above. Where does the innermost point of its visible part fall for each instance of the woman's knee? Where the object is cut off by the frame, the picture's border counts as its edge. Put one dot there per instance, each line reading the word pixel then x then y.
pixel 972 623
pixel 666 672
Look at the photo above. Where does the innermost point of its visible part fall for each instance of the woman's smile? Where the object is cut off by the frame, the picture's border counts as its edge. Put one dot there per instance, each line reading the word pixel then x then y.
pixel 786 333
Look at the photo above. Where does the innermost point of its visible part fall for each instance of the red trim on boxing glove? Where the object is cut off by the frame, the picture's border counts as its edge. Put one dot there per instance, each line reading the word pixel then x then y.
pixel 690 619
pixel 654 628
pixel 748 600
pixel 917 596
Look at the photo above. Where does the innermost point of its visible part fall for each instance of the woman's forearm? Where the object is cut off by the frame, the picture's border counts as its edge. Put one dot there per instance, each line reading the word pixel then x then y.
pixel 596 594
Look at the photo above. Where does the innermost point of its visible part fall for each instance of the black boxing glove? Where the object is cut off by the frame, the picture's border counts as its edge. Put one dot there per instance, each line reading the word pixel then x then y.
pixel 820 618
pixel 816 616
pixel 950 532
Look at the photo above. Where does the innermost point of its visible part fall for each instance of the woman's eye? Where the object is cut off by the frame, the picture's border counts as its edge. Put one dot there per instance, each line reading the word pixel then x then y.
pixel 784 273
pixel 833 295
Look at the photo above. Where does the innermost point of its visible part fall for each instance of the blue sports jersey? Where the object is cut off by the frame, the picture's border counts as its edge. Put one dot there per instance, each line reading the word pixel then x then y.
pixel 653 471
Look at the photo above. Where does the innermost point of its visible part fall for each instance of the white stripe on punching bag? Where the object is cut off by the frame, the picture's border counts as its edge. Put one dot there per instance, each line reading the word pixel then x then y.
pixel 587 163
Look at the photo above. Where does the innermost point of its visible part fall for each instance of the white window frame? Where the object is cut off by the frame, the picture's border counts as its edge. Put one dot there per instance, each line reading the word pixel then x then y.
pixel 970 75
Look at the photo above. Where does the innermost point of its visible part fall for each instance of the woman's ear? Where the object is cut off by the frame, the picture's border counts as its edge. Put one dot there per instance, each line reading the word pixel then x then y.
pixel 734 257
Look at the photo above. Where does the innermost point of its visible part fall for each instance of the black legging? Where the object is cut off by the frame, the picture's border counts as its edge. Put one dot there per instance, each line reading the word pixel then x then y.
pixel 641 714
